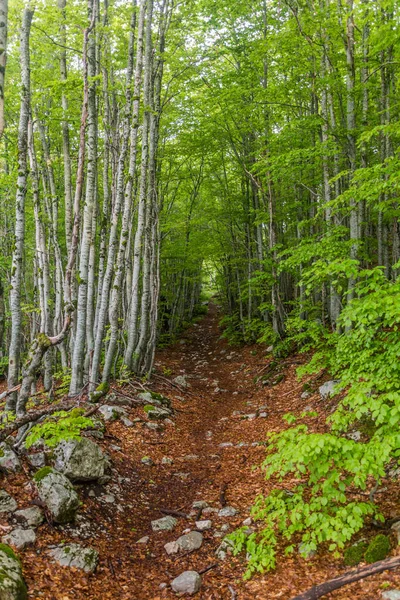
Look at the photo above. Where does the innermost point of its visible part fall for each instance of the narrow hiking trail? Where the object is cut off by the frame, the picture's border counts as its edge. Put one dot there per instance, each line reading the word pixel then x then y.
pixel 206 454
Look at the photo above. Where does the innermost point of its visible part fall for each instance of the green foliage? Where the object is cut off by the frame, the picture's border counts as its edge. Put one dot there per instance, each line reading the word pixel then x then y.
pixel 62 425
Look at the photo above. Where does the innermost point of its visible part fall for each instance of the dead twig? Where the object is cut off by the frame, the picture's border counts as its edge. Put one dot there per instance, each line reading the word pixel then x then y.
pixel 173 513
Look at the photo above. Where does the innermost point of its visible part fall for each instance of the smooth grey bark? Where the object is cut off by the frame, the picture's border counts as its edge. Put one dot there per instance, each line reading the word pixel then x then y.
pixel 77 363
pixel 17 259
pixel 3 58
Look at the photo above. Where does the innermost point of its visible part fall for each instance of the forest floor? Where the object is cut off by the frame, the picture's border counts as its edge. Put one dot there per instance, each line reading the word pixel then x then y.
pixel 207 414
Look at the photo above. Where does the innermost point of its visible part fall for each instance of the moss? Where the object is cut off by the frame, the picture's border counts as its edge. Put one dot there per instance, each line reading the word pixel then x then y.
pixel 9 552
pixel 378 548
pixel 42 473
pixel 148 408
pixel 1 453
pixel 103 387
pixel 354 554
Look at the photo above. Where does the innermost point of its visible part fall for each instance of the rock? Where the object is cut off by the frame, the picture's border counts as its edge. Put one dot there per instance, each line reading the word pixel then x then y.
pixel 396 528
pixel 270 349
pixel 305 395
pixel 9 461
pixel 391 595
pixel 204 525
pixel 305 554
pixel 226 445
pixel 12 584
pixel 143 540
pixel 225 528
pixel 154 426
pixel 20 538
pixel 74 555
pixel 37 460
pixel 57 493
pixel 32 516
pixel 225 547
pixel 146 460
pixel 326 390
pixel 164 524
pixel 181 381
pixel 7 502
pixel 81 460
pixel 247 522
pixel 189 542
pixel 111 413
pixel 171 548
pixel 108 498
pixel 354 435
pixel 250 417
pixel 209 510
pixel 166 460
pixel 200 504
pixel 157 413
pixel 189 582
pixel 190 457
pixel 227 511
pixel 127 422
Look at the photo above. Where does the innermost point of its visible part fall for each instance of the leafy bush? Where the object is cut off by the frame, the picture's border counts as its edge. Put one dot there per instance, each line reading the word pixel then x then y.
pixel 323 505
pixel 61 426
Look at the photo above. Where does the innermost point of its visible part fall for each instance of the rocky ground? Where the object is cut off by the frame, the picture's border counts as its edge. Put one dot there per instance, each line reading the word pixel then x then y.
pixel 161 486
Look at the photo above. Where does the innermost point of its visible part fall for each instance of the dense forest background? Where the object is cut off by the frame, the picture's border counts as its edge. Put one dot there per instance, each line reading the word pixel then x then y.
pixel 154 152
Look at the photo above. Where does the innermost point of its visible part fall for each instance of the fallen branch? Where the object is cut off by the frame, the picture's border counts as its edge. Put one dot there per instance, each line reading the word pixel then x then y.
pixel 222 495
pixel 206 569
pixel 334 584
pixel 8 392
pixel 173 513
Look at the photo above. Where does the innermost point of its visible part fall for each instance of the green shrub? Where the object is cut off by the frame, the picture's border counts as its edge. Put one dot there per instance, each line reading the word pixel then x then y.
pixel 60 426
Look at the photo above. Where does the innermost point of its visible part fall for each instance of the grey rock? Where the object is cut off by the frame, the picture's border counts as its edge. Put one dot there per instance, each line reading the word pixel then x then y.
pixel 190 541
pixel 225 527
pixel 305 395
pixel 111 413
pixel 146 460
pixel 191 457
pixel 263 415
pixel 32 516
pixel 12 584
pixel 164 524
pixel 354 435
pixel 127 422
pixel 148 398
pixel 396 528
pixel 74 555
pixel 158 413
pixel 181 381
pixel 250 417
pixel 7 502
pixel 143 540
pixel 226 445
pixel 58 494
pixel 209 510
pixel 189 582
pixel 9 461
pixel 20 538
pixel 227 511
pixel 37 460
pixel 171 548
pixel 81 460
pixel 223 549
pixel 108 498
pixel 391 595
pixel 307 555
pixel 204 525
pixel 166 460
pixel 154 426
pixel 326 390
pixel 200 504
pixel 247 522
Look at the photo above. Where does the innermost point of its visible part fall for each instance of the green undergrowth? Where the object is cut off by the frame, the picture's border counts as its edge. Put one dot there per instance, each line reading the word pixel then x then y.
pixel 317 478
pixel 60 426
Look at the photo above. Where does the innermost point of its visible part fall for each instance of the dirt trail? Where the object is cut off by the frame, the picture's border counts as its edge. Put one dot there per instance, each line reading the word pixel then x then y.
pixel 209 413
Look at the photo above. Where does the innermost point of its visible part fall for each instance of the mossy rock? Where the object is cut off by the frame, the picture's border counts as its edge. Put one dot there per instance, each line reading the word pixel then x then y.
pixel 354 554
pixel 148 408
pixel 378 549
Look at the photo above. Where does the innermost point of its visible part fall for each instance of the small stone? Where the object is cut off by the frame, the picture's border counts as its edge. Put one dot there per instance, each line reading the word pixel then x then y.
pixel 127 422
pixel 226 445
pixel 146 460
pixel 166 460
pixel 203 525
pixel 154 426
pixel 164 524
pixel 225 527
pixel 181 381
pixel 191 457
pixel 307 555
pixel 7 502
pixel 162 586
pixel 326 390
pixel 247 522
pixel 354 435
pixel 305 395
pixel 227 511
pixel 171 548
pixel 263 415
pixel 250 417
pixel 181 475
pixel 108 498
pixel 111 413
pixel 20 538
pixel 189 542
pixel 223 549
pixel 391 595
pixel 396 528
pixel 74 555
pixel 200 504
pixel 270 349
pixel 209 510
pixel 32 516
pixel 143 540
pixel 189 582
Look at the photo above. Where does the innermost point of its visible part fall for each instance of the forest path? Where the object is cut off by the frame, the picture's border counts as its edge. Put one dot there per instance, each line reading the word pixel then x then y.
pixel 212 411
